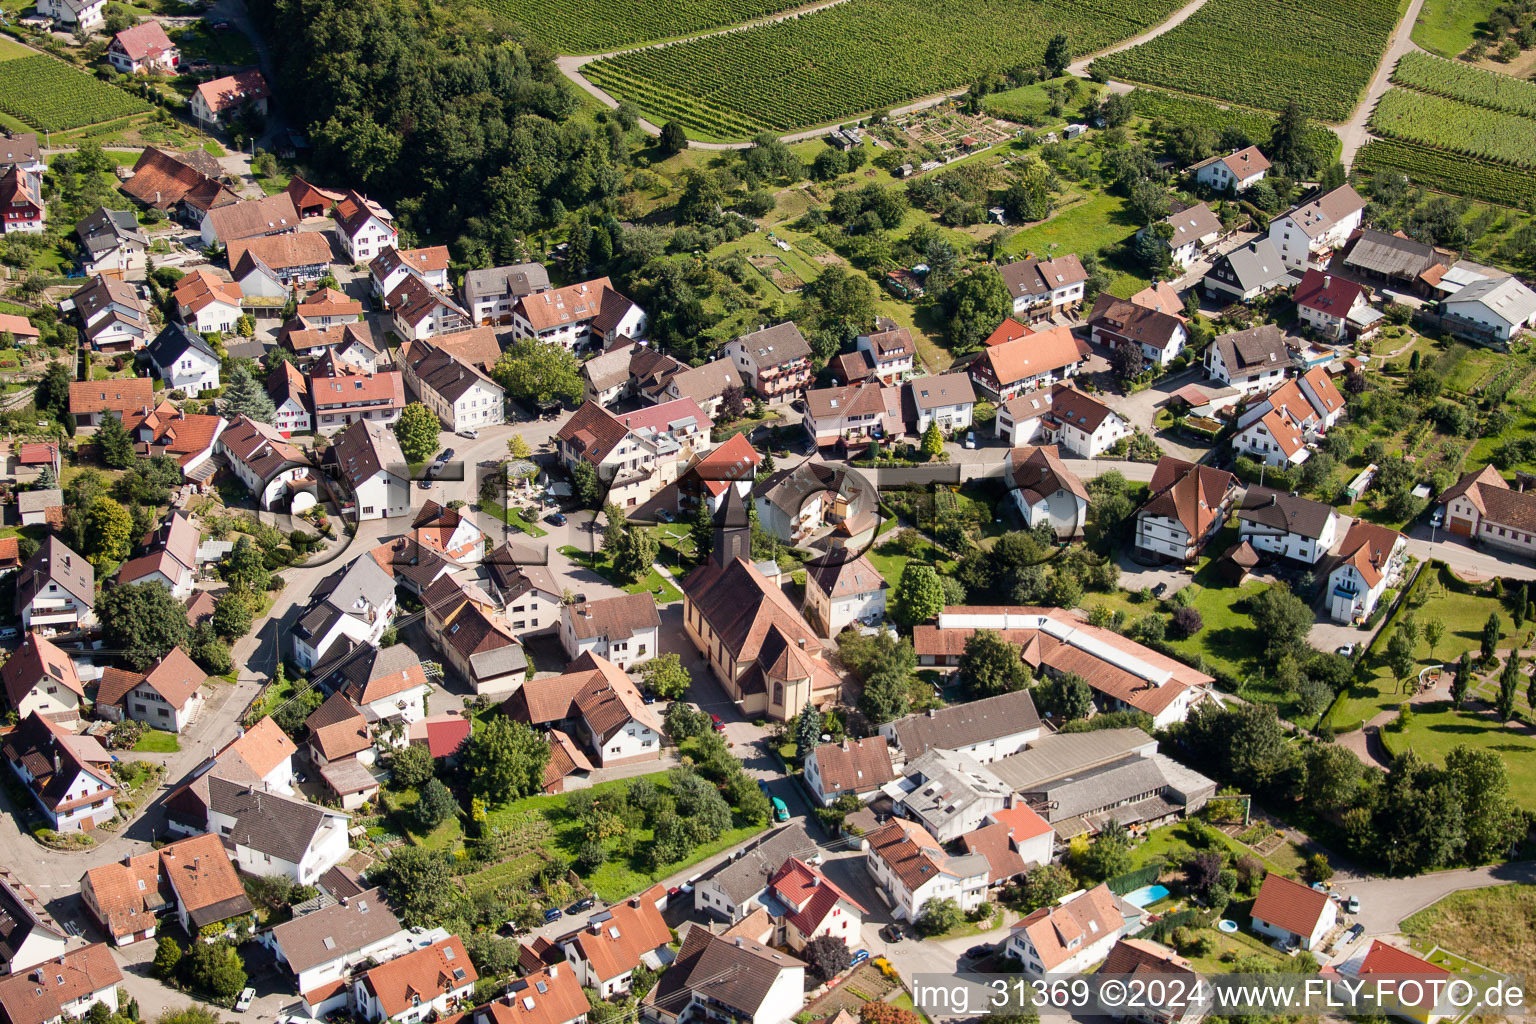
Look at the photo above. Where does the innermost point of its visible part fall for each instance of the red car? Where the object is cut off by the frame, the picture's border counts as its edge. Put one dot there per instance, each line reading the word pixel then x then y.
pixel 719 722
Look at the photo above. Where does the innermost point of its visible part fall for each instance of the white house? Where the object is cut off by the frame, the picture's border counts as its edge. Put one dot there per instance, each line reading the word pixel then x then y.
pixel 593 700
pixel 113 315
pixel 65 989
pixel 169 559
pixel 262 460
pixel 948 399
pixel 35 936
pixel 859 767
pixel 1030 837
pixel 1491 310
pixel 250 218
pixel 890 350
pixel 272 834
pixel 1188 504
pixel 56 589
pixel 840 591
pixel 947 792
pixel 1293 913
pixel 988 729
pixel 273 266
pixel 775 360
pixel 1073 934
pixel 1045 491
pixel 1246 273
pixel 66 775
pixel 143 47
pixel 289 392
pixel 1195 229
pixel 585 315
pixel 810 906
pixel 1370 559
pixel 1252 360
pixel 356 601
pixel 1280 428
pixel 431 981
pixel 1332 306
pixel 910 867
pixel 40 677
pixel 456 390
pixel 369 459
pixel 1078 424
pixel 1044 288
pixel 1287 525
pixel 215 102
pixel 363 227
pixel 388 685
pixel 389 269
pixel 1309 234
pixel 628 935
pixel 623 630
pixel 111 240
pixel 87 14
pixel 1159 337
pixel 167 697
pixel 1234 172
pixel 1035 360
pixel 419 311
pixel 490 293
pixel 207 303
pixel 322 946
pixel 184 360
pixel 635 454
pixel 735 978
pixel 1022 419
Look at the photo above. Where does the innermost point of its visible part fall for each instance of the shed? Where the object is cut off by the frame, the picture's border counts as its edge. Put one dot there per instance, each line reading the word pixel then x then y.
pixel 1237 562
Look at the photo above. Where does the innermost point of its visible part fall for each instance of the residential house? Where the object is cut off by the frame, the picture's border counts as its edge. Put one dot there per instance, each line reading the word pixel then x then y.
pixel 947 399
pixel 387 684
pixel 811 906
pixel 765 655
pixel 112 315
pixel 547 995
pixel 1252 360
pixel 250 218
pixel 860 767
pixel 947 792
pixel 1309 233
pixel 1287 525
pixel 1293 913
pixel 363 227
pixel 1482 505
pixel 1369 559
pixel 184 360
pixel 268 466
pixel 170 557
pixel 1046 492
pixel 624 630
pixel 474 638
pixel 1393 259
pixel 461 395
pixel 416 567
pixel 795 502
pixel 841 590
pixel 144 48
pixel 21 150
pixel 1013 840
pixel 732 466
pixel 890 350
pixel 389 269
pixel 627 370
pixel 289 391
pixel 910 867
pixel 324 946
pixel 326 306
pixel 83 14
pixel 985 729
pixel 192 878
pixel 32 936
pixel 339 397
pixel 21 329
pixel 1334 307
pixel 261 756
pixel 420 311
pixel 422 984
pixel 1195 229
pixel 41 508
pixel 1077 423
pixel 1188 504
pixel 186 185
pixel 1042 289
pixel 1232 173
pixel 270 834
pixel 1490 311
pixel 530 594
pixel 1429 1004
pixel 492 293
pixel 189 439
pixel 1072 935
pixel 56 590
pixel 355 600
pixel 311 200
pixel 350 345
pixel 215 103
pixel 369 460
pixel 615 942
pixel 1176 1004
pixel 274 266
pixel 167 697
pixel 111 241
pixel 742 980
pixel 448 532
pixel 581 316
pixel 1282 427
pixel 856 413
pixel 775 361
pixel 443 735
pixel 65 774
pixel 1158 337
pixel 704 385
pixel 63 990
pixel 638 453
pixel 41 678
pixel 733 891
pixel 1022 419
pixel 338 731
pixel 207 303
pixel 1245 273
pixel 21 202
pixel 1036 360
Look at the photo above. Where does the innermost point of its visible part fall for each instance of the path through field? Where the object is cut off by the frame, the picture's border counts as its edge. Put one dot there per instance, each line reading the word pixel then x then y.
pixel 1079 67
pixel 1353 132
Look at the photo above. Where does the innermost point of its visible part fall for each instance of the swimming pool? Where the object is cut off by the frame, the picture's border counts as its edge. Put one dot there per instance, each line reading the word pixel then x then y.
pixel 1146 895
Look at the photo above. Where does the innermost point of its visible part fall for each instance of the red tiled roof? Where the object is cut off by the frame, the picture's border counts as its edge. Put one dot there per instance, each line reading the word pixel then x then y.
pixel 1030 356
pixel 425 973
pixel 233 90
pixel 1289 904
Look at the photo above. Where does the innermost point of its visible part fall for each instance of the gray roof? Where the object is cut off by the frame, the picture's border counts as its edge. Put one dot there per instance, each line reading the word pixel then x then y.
pixel 1393 255
pixel 737 973
pixel 746 876
pixel 1283 511
pixel 788 489
pixel 39 501
pixel 105 229
pixel 944 389
pixel 1506 296
pixel 1192 224
pixel 336 930
pixel 942 785
pixel 352 589
pixel 267 822
pixel 770 346
pixel 514 281
pixel 1258 348
pixel 1100 787
pixel 55 562
pixel 447 374
pixel 1062 754
pixel 1257 265
pixel 173 342
pixel 962 725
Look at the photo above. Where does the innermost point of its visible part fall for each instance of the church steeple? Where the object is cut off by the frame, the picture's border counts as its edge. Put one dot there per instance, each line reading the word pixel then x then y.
pixel 733 531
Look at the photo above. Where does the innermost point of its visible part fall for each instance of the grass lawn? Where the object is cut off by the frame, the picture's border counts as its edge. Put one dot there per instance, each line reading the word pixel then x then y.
pixel 1171 843
pixel 513 517
pixel 1091 223
pixel 652 583
pixel 156 742
pixel 904 1002
pixel 889 561
pixel 1446 26
pixel 10 49
pixel 1433 731
pixel 1494 926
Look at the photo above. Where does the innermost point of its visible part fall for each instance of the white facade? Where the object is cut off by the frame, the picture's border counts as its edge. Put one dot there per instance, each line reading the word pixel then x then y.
pixel 1256 440
pixel 380 951
pixel 1325 922
pixel 82 788
pixel 408 705
pixel 1164 536
pixel 907 904
pixel 1249 383
pixel 1350 597
pixel 1075 441
pixel 1064 512
pixel 481 405
pixel 88 14
pixel 193 371
pixel 950 417
pixel 359 630
pixel 368 240
pixel 1299 250
pixel 634 649
pixel 292 418
pixel 382 496
pixel 832 617
pixel 216 316
pixel 144 704
pixel 1291 545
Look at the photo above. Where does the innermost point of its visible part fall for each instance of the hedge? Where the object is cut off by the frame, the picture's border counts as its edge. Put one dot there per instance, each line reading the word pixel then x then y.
pixel 1144 875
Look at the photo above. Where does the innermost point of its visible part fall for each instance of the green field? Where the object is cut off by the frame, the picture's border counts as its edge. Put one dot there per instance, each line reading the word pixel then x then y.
pixel 1028 104
pixel 1262 53
pixel 1098 222
pixel 855 57
pixel 1436 728
pixel 49 95
pixel 1456 127
pixel 1493 926
pixel 11 50
pixel 1447 27
pixel 1459 81
pixel 1174 111
pixel 1447 172
pixel 585 26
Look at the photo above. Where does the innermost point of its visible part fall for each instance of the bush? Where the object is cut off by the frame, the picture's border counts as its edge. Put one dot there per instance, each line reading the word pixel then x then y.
pixel 1187 621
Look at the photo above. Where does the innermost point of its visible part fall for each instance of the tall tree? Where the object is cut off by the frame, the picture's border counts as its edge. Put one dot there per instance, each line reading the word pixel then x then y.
pixel 990 666
pixel 673 138
pixel 536 373
pixel 417 430
pixel 114 442
pixel 1509 682
pixel 702 531
pixel 976 305
pixel 246 567
pixel 505 761
pixel 613 530
pixel 1491 631
pixel 807 730
pixel 918 597
pixel 1461 684
pixel 1067 697
pixel 244 396
pixel 143 621
pixel 1289 144
pixel 635 555
pixel 586 488
pixel 111 532
pixel 1057 55
pixel 1493 820
pixel 933 441
pixel 52 394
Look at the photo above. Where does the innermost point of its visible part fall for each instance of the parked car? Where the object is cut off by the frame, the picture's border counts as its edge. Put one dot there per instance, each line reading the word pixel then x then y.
pixel 859 957
pixel 664 515
pixel 674 892
pixel 780 809
pixel 425 483
pixel 10 633
pixel 1354 933
pixel 245 999
pixel 1438 519
pixel 1353 905
pixel 977 952
pixel 1348 650
pixel 585 903
pixel 471 434
pixel 1160 590
pixel 762 784
pixel 892 933
pixel 553 914
pixel 556 519
pixel 970 439
pixel 718 722
pixel 647 697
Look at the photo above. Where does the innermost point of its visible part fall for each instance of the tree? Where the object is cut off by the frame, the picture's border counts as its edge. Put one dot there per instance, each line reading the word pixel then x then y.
pixel 1509 680
pixel 209 650
pixel 703 532
pixel 216 968
pixel 1289 143
pixel 1400 654
pixel 1333 774
pixel 505 761
pixel 1067 697
pixel 244 396
pixel 111 532
pixel 613 532
pixel 1434 632
pixel 939 916
pixel 886 695
pixel 1282 618
pixel 635 555
pixel 52 394
pixel 1204 870
pixel 665 676
pixel 517 447
pixel 421 885
pixel 433 805
pixel 417 430
pixel 113 442
pixel 684 721
pixel 673 138
pixel 1491 630
pixel 411 766
pixel 537 374
pixel 1057 55
pixel 976 305
pixel 918 597
pixel 1461 683
pixel 1046 884
pixel 990 666
pixel 1108 855
pixel 933 441
pixel 1481 782
pixel 1187 621
pixel 807 730
pixel 245 567
pixel 585 487
pixel 827 956
pixel 232 614
pixel 167 956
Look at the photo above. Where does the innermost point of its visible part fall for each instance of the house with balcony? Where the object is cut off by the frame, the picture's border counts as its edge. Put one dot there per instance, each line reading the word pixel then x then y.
pixel 947 399
pixel 1287 525
pixel 775 361
pixel 796 502
pixel 1369 560
pixel 1309 234
pixel 387 684
pixel 389 269
pixel 491 294
pixel 1336 308
pixel 860 767
pixel 463 397
pixel 272 834
pixel 368 458
pixel 1075 422
pixel 208 303
pixel 339 397
pixel 947 792
pixel 1042 289
pixel 322 947
pixel 1156 336
pixel 624 629
pixel 890 351
pixel 363 227
pixel 475 638
pixel 426 983
pixel 56 590
pixel 717 978
pixel 111 241
pixel 581 317
pixel 355 601
pixel 113 316
pixel 1033 361
pixel 65 989
pixel 66 775
pixel 419 311
pixel 1071 936
pixel 842 590
pixel 1253 360
pixel 1195 229
pixel 910 867
pixel 1045 491
pixel 635 454
pixel 594 702
pixel 169 558
pixel 854 414
pixel 1188 504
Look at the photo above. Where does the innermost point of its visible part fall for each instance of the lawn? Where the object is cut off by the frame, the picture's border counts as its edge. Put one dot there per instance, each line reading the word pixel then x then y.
pixel 513 517
pixel 1092 223
pixel 11 50
pixel 156 742
pixel 1030 104
pixel 889 561
pixel 652 583
pixel 1170 842
pixel 1437 727
pixel 1447 27
pixel 1494 926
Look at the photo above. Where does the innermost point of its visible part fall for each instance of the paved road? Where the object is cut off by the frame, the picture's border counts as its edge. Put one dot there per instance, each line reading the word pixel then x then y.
pixel 1386 902
pixel 1353 132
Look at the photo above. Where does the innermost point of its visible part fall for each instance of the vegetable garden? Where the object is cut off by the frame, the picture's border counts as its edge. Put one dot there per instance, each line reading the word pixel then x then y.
pixel 586 26
pixel 1263 53
pixel 1448 172
pixel 857 56
pixel 1457 81
pixel 51 96
pixel 1456 127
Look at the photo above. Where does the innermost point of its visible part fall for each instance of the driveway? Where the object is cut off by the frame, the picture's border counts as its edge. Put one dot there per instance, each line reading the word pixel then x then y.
pixel 1141 409
pixel 1386 902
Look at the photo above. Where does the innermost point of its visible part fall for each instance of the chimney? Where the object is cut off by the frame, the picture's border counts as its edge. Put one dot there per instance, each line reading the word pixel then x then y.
pixel 554 970
pixel 930 712
pixel 740 942
pixel 802 643
pixel 815 881
pixel 1327 280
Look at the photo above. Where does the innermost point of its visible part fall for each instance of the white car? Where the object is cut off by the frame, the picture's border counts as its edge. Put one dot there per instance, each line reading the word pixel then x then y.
pixel 243 1003
pixel 970 439
pixel 471 434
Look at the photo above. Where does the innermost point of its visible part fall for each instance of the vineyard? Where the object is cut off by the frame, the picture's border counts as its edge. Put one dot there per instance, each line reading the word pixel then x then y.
pixel 587 26
pixel 1263 53
pixel 855 57
pixel 1447 172
pixel 1178 111
pixel 49 95
pixel 1455 127
pixel 1454 80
